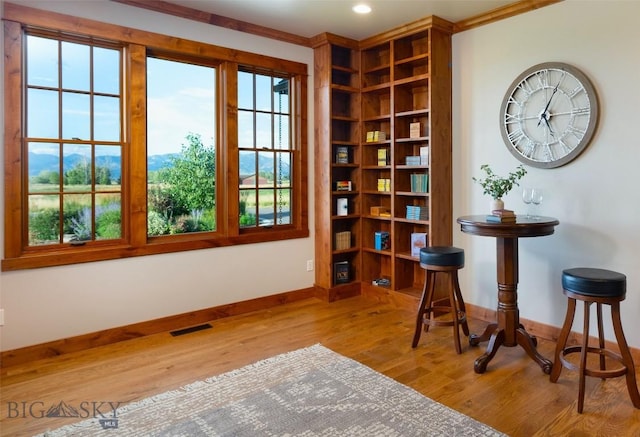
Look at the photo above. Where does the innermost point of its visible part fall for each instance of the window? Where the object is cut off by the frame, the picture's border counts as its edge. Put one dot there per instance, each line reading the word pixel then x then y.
pixel 73 142
pixel 181 125
pixel 118 144
pixel 265 150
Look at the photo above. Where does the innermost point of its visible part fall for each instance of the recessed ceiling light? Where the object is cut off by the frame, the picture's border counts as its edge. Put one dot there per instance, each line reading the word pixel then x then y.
pixel 361 9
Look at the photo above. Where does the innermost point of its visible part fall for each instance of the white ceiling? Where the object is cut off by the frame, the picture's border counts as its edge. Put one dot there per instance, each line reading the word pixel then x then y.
pixel 308 18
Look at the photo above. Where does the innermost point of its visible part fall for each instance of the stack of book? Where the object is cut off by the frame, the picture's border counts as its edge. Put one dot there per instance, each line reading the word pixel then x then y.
pixel 414 130
pixel 417 212
pixel 419 183
pixel 343 185
pixel 412 160
pixel 343 240
pixel 383 157
pixel 384 184
pixel 502 216
pixel 376 136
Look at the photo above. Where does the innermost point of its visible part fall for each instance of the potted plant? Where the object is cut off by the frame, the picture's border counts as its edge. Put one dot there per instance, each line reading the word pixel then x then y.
pixel 497 186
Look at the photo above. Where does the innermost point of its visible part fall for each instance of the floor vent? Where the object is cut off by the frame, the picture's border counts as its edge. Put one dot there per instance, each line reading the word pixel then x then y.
pixel 190 329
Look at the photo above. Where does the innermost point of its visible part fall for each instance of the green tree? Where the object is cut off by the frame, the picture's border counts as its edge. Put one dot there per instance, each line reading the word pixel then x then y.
pixel 192 175
pixel 103 176
pixel 80 174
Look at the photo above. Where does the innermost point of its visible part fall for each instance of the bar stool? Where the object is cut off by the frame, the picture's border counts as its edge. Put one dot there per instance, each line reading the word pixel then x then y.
pixel 600 287
pixel 441 259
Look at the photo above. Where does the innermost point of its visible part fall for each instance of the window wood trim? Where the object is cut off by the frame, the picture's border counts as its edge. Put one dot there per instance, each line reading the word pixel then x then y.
pixel 136 48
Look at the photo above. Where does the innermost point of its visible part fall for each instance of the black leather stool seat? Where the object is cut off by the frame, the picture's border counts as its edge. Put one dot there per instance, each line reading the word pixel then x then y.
pixel 594 282
pixel 442 256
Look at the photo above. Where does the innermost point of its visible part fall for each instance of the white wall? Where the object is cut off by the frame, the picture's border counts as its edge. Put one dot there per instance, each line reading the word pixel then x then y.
pixel 53 303
pixel 595 197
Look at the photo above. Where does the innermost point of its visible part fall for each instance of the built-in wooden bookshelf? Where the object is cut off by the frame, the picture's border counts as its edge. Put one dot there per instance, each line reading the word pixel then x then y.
pixel 388 100
pixel 337 165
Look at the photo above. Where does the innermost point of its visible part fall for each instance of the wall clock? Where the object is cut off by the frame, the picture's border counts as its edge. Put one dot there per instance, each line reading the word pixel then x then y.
pixel 549 115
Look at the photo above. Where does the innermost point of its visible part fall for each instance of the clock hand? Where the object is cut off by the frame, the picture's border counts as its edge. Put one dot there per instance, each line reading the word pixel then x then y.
pixel 546 121
pixel 547 107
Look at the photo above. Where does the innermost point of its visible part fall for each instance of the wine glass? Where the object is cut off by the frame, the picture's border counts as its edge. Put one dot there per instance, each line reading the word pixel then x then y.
pixel 536 198
pixel 527 198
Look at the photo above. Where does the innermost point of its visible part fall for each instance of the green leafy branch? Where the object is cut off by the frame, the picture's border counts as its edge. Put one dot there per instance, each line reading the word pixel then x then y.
pixel 497 186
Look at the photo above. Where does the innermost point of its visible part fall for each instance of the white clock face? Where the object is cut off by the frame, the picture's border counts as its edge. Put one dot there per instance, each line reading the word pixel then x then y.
pixel 549 115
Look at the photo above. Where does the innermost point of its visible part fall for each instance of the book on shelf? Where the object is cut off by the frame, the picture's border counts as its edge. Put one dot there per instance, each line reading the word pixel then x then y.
pixel 383 157
pixel 415 212
pixel 343 186
pixel 381 240
pixel 420 183
pixel 412 160
pixel 341 272
pixel 384 184
pixel 414 130
pixel 342 206
pixel 375 136
pixel 342 155
pixel 343 240
pixel 424 155
pixel 418 241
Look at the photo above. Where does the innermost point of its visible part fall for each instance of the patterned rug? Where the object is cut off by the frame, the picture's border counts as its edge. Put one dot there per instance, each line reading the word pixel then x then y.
pixel 308 392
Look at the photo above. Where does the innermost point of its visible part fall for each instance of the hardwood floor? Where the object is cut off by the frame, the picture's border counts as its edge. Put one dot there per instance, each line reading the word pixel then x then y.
pixel 513 396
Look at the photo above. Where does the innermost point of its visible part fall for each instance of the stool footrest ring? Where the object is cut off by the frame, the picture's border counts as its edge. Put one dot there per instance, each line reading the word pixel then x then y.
pixel 598 373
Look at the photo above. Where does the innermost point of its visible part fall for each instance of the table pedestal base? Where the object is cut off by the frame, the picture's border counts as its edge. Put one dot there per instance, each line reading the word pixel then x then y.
pixel 496 337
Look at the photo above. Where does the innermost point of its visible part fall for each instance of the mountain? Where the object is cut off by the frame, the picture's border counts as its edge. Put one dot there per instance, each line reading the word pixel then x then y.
pixel 39 162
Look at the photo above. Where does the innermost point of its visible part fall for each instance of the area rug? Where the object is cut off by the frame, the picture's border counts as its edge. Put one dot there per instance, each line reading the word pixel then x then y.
pixel 308 392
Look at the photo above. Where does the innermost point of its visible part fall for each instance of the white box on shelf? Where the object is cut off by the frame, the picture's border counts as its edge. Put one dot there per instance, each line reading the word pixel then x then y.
pixel 342 206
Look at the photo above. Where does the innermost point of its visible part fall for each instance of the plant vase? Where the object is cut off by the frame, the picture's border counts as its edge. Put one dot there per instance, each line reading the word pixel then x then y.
pixel 496 204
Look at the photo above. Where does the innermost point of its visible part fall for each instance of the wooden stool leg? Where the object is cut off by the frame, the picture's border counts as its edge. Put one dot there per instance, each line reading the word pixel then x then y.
pixel 454 312
pixel 461 307
pixel 425 306
pixel 562 340
pixel 601 337
pixel 583 356
pixel 632 386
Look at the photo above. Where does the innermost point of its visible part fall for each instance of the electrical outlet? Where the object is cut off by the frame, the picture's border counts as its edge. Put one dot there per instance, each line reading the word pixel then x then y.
pixel 1 316
pixel 309 265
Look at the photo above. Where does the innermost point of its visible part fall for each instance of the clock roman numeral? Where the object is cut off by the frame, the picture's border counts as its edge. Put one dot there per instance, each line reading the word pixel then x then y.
pixel 543 78
pixel 576 132
pixel 581 111
pixel 526 87
pixel 566 148
pixel 512 118
pixel 548 153
pixel 516 136
pixel 529 149
pixel 577 90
